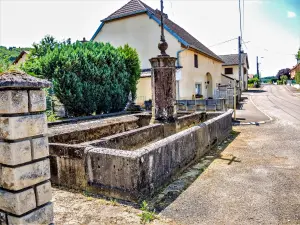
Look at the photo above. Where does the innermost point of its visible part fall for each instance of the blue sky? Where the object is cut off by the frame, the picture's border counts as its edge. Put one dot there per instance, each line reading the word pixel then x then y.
pixel 271 27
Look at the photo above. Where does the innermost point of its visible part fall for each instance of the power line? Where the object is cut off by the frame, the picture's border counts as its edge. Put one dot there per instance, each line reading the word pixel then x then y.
pixel 223 42
pixel 245 43
pixel 271 51
pixel 172 8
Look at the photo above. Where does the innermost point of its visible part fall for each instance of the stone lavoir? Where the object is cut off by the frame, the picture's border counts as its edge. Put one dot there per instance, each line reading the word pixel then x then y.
pixel 25 189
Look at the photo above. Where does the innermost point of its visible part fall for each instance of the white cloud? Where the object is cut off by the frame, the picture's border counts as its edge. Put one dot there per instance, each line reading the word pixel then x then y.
pixel 291 14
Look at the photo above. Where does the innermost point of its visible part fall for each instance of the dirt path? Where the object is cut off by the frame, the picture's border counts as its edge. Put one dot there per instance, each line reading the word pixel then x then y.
pixel 71 208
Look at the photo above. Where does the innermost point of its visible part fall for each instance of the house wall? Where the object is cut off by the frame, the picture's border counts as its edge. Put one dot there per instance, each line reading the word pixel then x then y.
pixel 144 92
pixel 139 32
pixel 22 59
pixel 235 74
pixel 225 80
pixel 192 75
pixel 294 71
pixel 143 34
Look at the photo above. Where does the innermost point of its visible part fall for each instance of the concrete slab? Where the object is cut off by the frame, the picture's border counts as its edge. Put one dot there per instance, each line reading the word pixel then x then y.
pixel 247 112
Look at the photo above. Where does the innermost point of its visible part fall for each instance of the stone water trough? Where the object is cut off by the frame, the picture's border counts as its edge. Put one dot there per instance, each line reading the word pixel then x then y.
pixel 128 158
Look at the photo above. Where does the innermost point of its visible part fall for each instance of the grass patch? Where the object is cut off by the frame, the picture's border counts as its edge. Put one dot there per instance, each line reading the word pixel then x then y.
pixel 147 215
pixel 113 202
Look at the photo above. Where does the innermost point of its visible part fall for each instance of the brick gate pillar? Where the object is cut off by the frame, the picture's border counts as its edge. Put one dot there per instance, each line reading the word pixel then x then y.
pixel 25 189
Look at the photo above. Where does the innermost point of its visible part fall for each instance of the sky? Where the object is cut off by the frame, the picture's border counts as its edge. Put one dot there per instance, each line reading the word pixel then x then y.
pixel 270 28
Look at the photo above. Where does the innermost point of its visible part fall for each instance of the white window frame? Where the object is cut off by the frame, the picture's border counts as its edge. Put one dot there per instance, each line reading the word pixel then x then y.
pixel 196 84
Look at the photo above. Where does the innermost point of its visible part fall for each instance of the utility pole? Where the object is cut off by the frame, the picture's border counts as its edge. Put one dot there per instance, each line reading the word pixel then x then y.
pixel 257 67
pixel 240 63
pixel 234 99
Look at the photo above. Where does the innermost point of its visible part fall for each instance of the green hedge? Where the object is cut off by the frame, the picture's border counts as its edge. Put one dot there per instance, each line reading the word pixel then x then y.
pixel 87 77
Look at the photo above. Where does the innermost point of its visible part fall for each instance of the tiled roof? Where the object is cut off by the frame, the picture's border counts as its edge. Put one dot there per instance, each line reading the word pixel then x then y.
pixel 136 6
pixel 297 67
pixel 132 7
pixel 20 56
pixel 233 59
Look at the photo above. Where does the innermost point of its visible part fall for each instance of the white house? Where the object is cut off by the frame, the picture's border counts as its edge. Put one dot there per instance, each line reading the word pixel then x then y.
pixel 230 68
pixel 198 68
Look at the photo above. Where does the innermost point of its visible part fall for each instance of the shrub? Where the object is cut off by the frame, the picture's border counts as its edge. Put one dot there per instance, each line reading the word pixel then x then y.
pixel 133 66
pixel 254 82
pixel 297 77
pixel 87 77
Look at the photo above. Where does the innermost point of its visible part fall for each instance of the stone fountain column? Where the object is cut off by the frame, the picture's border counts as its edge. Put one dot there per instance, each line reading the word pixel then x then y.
pixel 163 89
pixel 164 85
pixel 25 189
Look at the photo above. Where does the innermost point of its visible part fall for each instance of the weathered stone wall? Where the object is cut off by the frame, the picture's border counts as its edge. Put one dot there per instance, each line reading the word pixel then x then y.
pixel 132 175
pixel 25 190
pixel 92 130
pixel 189 120
pixel 80 119
pixel 68 165
pixel 152 166
pixel 132 139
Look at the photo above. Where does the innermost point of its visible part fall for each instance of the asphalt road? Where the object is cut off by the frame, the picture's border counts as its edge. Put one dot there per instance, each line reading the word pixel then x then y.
pixel 279 102
pixel 262 184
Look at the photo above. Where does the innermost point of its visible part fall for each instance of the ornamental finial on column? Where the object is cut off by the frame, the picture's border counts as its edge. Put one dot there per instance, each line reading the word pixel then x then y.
pixel 163 45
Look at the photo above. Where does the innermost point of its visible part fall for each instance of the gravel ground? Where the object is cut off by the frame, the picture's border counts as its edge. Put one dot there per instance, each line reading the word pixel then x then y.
pixel 74 208
pixel 261 185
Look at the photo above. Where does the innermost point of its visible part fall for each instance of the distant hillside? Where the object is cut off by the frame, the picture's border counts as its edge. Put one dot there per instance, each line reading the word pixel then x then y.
pixel 8 56
pixel 11 53
pixel 268 79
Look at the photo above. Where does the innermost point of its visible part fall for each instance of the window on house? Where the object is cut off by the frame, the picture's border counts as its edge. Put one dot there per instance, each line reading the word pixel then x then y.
pixel 198 89
pixel 228 70
pixel 196 61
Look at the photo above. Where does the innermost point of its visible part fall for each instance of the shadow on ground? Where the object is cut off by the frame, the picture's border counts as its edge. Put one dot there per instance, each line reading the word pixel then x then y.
pixel 255 91
pixel 169 193
pixel 241 103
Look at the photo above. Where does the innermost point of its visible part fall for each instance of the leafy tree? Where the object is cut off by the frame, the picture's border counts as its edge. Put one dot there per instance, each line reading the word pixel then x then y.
pixel 298 55
pixel 284 72
pixel 133 66
pixel 284 79
pixel 4 64
pixel 48 43
pixel 87 77
pixel 253 80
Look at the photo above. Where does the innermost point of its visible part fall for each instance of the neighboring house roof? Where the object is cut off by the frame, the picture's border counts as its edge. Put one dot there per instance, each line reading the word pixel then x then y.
pixel 20 56
pixel 135 7
pixel 227 76
pixel 297 67
pixel 233 59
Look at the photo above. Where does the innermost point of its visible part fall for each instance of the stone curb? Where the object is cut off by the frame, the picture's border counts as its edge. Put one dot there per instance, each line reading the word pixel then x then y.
pixel 252 123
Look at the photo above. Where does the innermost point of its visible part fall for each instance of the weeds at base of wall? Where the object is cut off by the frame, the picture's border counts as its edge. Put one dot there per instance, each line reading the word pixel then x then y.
pixel 147 215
